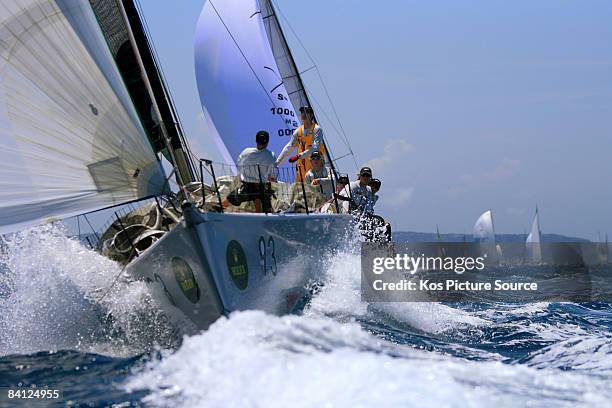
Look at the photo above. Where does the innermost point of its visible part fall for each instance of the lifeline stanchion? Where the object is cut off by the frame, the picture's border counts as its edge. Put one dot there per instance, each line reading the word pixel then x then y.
pixel 261 190
pixel 212 173
pixel 303 190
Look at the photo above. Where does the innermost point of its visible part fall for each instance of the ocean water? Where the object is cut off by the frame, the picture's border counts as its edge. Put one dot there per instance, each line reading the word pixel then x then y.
pixel 339 351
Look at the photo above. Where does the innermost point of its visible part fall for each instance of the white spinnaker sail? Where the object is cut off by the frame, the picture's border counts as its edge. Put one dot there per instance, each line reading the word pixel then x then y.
pixel 534 239
pixel 484 233
pixel 240 86
pixel 70 139
pixel 483 228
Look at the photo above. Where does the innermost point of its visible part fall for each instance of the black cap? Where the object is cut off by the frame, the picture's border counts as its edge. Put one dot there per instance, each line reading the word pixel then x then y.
pixel 343 179
pixel 365 171
pixel 375 183
pixel 316 155
pixel 306 109
pixel 262 137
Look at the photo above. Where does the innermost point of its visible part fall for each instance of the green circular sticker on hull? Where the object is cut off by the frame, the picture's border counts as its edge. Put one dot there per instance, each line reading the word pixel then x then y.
pixel 185 279
pixel 237 264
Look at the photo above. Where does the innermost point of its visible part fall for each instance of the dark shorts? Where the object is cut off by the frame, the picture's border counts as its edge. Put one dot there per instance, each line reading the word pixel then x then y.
pixel 250 192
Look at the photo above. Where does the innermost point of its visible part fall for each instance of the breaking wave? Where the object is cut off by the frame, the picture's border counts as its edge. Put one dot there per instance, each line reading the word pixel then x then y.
pixel 340 351
pixel 49 290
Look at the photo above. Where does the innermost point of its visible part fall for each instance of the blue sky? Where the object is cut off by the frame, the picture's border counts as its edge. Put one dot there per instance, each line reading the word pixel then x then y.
pixel 459 106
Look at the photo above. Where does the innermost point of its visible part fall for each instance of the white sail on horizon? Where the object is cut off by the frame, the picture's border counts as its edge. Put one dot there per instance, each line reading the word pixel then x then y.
pixel 534 239
pixel 71 138
pixel 483 228
pixel 484 233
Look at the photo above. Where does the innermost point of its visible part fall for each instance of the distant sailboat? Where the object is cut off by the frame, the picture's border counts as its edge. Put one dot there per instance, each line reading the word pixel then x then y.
pixel 603 251
pixel 483 228
pixel 607 249
pixel 607 246
pixel 441 248
pixel 484 233
pixel 533 242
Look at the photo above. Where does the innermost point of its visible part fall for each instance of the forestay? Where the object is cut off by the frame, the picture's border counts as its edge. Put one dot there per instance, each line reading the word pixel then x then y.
pixel 70 138
pixel 239 82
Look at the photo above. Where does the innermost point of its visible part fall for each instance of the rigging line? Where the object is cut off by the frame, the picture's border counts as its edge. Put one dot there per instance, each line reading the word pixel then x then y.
pixel 245 58
pixel 335 159
pixel 97 301
pixel 315 64
pixel 162 74
pixel 297 74
pixel 78 227
pixel 156 61
pixel 300 72
pixel 331 122
pixel 155 55
pixel 92 228
pixel 309 95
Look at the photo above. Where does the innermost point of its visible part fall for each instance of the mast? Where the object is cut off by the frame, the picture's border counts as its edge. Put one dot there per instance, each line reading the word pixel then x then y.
pixel 172 135
pixel 298 77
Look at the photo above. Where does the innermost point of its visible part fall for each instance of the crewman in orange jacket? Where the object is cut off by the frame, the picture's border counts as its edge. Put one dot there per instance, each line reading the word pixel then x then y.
pixel 308 138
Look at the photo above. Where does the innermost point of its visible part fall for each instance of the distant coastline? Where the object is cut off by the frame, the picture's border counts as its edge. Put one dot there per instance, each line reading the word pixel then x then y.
pixel 412 236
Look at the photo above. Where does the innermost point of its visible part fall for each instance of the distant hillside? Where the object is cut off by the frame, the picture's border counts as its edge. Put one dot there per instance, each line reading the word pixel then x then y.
pixel 411 236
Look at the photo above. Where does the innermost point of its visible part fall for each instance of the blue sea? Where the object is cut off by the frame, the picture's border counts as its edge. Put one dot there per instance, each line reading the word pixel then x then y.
pixel 336 352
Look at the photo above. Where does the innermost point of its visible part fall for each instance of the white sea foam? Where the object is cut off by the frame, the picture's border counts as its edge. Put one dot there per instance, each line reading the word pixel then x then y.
pixel 325 358
pixel 50 285
pixel 253 359
pixel 341 296
pixel 592 354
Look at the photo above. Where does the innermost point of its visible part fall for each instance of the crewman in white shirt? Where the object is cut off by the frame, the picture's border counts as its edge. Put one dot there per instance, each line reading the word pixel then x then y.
pixel 358 194
pixel 257 166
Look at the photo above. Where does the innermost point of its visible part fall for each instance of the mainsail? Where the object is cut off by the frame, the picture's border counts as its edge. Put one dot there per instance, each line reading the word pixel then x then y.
pixel 71 139
pixel 534 239
pixel 241 87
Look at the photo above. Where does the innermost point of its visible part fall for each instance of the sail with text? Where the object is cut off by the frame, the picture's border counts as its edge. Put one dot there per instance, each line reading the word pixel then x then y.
pixel 72 139
pixel 534 240
pixel 242 89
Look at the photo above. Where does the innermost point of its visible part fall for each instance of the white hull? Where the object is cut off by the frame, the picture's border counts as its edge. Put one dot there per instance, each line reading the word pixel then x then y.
pixel 238 262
